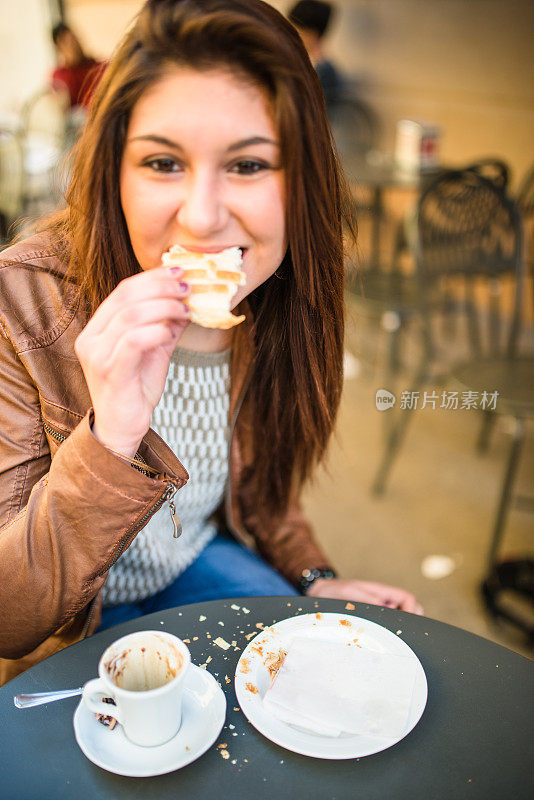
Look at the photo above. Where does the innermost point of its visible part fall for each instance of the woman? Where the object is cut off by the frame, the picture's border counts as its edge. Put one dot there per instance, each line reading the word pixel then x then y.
pixel 208 131
pixel 76 72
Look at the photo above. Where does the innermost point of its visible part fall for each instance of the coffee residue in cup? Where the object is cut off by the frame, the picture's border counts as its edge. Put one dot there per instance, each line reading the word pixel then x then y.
pixel 116 666
pixel 145 669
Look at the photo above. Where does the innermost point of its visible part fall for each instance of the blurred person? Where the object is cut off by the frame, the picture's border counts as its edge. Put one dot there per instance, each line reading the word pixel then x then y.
pixel 207 131
pixel 312 19
pixel 76 72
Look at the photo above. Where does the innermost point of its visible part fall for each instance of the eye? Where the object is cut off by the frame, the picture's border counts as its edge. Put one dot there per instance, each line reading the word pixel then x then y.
pixel 248 166
pixel 162 164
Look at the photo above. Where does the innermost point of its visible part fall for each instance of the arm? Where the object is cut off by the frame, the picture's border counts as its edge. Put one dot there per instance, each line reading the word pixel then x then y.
pixel 62 523
pixel 65 521
pixel 291 547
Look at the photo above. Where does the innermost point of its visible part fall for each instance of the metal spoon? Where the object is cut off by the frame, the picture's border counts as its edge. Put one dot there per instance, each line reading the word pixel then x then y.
pixel 38 698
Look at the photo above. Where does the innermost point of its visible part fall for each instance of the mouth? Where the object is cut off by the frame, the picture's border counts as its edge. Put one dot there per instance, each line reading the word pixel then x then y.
pixel 213 249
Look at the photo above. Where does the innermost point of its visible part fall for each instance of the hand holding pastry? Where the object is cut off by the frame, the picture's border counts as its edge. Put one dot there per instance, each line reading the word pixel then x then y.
pixel 125 350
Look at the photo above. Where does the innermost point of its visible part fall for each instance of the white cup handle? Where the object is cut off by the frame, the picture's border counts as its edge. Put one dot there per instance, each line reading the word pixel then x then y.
pixel 93 693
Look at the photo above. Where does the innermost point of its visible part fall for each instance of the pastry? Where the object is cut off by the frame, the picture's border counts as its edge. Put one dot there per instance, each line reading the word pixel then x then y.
pixel 214 279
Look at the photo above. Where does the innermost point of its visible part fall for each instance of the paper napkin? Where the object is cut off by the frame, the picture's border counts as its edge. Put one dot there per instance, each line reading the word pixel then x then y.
pixel 332 688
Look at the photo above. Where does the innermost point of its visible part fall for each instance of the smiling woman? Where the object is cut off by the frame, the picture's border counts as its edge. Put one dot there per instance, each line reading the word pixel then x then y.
pixel 205 187
pixel 148 456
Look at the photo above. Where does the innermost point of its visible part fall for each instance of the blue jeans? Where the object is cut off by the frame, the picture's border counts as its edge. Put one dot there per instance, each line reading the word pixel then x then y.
pixel 223 569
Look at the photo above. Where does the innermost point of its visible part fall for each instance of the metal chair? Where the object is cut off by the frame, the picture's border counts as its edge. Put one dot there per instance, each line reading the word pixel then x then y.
pixel 525 201
pixel 525 194
pixel 493 169
pixel 44 136
pixel 389 295
pixel 11 182
pixel 392 295
pixel 468 233
pixel 354 126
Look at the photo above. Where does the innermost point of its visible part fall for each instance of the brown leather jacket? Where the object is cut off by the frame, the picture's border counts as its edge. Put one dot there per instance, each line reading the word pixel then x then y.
pixel 68 506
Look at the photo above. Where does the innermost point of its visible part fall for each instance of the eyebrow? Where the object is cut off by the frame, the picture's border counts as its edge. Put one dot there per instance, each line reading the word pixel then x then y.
pixel 151 137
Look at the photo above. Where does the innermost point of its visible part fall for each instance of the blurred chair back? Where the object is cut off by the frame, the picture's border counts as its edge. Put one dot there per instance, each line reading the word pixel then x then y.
pixel 44 126
pixel 469 240
pixel 525 195
pixel 525 201
pixel 354 125
pixel 11 181
pixel 493 169
pixel 45 113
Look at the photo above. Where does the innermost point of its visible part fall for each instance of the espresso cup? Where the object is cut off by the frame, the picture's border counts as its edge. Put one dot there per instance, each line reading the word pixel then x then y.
pixel 144 674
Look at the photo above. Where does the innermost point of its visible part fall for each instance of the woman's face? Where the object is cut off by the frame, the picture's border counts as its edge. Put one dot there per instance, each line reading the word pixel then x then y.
pixel 202 168
pixel 69 49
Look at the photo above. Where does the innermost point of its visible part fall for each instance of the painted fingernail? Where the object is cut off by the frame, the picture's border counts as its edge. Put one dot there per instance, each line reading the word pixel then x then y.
pixel 184 286
pixel 176 270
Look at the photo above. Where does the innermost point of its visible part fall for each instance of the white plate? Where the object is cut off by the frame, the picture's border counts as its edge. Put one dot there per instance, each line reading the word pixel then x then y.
pixel 204 712
pixel 327 627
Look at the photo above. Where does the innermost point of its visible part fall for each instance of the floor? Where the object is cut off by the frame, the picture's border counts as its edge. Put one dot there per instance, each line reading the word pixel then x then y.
pixel 440 501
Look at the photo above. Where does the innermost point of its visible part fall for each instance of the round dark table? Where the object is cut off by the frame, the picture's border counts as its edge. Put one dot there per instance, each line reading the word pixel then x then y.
pixel 474 740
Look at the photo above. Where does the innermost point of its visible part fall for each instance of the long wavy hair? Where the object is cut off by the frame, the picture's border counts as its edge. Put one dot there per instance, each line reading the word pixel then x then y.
pixel 298 320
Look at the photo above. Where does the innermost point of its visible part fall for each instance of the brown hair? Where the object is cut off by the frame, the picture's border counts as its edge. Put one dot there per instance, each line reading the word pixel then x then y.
pixel 298 320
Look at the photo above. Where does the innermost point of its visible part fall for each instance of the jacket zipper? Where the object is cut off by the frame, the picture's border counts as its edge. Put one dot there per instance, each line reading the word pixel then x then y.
pixel 90 614
pixel 167 495
pixel 55 434
pixel 177 525
pixel 142 466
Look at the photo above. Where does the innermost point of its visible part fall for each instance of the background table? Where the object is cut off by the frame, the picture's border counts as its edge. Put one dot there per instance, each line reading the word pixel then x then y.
pixel 377 177
pixel 474 740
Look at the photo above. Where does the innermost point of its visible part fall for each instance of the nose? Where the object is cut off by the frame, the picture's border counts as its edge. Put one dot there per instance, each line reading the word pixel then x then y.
pixel 202 210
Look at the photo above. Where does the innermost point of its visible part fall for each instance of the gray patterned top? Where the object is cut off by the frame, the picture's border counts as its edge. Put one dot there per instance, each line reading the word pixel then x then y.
pixel 192 418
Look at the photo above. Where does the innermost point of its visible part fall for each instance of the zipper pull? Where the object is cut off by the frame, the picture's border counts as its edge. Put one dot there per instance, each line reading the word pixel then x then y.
pixel 174 516
pixel 169 497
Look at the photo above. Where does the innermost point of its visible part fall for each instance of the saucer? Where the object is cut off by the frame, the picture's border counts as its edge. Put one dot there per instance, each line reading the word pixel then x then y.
pixel 203 715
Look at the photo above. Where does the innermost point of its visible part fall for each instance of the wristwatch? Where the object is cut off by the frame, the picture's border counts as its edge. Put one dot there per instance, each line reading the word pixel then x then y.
pixel 310 575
